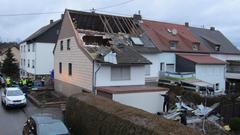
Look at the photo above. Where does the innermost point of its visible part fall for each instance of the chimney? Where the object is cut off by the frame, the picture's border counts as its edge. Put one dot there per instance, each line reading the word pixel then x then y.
pixel 137 17
pixel 212 28
pixel 62 15
pixel 51 21
pixel 186 24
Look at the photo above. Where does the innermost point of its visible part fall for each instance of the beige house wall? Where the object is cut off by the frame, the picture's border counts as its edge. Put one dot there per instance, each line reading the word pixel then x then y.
pixel 82 66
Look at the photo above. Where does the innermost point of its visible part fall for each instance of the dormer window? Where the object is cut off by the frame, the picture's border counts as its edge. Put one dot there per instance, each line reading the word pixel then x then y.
pixel 195 47
pixel 173 45
pixel 217 48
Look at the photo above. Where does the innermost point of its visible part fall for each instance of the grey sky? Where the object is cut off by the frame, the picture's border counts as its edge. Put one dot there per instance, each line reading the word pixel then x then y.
pixel 223 14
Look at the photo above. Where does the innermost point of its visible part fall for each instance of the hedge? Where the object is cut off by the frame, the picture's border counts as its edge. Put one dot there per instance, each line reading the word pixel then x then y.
pixel 87 114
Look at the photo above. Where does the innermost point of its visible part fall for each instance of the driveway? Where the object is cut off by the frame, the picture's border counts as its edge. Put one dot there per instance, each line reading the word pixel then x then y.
pixel 12 120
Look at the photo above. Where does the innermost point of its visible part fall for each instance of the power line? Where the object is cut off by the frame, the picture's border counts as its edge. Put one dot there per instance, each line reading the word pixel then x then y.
pixel 30 14
pixel 116 5
pixel 59 12
pixel 113 13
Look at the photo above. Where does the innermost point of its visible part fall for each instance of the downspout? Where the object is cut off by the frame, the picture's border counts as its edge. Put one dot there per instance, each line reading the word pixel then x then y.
pixel 95 77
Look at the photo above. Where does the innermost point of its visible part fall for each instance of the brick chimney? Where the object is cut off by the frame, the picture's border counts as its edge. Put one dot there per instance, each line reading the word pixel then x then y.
pixel 187 24
pixel 51 21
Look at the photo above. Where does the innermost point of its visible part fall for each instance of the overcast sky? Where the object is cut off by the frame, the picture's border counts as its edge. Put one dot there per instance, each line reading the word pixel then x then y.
pixel 222 14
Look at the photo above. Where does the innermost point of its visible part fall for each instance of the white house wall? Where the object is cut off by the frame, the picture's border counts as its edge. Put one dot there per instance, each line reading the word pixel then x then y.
pixel 43 57
pixel 156 59
pixel 137 76
pixel 212 74
pixel 225 57
pixel 148 101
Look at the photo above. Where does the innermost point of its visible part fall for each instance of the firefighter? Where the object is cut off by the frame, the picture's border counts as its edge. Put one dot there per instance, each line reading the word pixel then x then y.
pixel 8 82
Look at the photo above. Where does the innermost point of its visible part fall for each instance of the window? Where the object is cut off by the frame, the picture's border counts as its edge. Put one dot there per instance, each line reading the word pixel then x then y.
pixel 28 48
pixel 217 48
pixel 173 45
pixel 33 63
pixel 136 41
pixel 57 31
pixel 68 44
pixel 195 47
pixel 147 69
pixel 28 63
pixel 60 67
pixel 170 68
pixel 61 45
pixel 162 66
pixel 33 47
pixel 217 86
pixel 24 62
pixel 24 48
pixel 120 73
pixel 69 68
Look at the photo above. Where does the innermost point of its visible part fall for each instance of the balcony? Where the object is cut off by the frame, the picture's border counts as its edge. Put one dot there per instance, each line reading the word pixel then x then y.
pixel 177 76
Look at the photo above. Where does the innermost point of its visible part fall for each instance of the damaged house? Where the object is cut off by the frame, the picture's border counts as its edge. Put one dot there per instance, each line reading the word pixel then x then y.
pixel 100 54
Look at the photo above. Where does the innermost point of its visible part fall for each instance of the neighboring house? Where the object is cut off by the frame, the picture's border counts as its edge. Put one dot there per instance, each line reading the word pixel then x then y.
pixel 221 48
pixel 173 41
pixel 37 51
pixel 14 48
pixel 95 53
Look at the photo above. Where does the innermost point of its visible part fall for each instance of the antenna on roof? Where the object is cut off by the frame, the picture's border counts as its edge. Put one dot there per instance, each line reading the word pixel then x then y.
pixel 93 10
pixel 139 12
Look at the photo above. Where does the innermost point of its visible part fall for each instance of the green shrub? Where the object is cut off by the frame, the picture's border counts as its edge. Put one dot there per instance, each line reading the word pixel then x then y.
pixel 235 124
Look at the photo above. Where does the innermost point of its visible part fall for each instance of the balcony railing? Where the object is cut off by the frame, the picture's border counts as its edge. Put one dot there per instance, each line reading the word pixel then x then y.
pixel 177 75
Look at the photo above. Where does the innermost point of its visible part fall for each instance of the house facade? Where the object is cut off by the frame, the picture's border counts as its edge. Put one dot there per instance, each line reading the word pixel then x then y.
pixel 91 54
pixel 36 52
pixel 174 39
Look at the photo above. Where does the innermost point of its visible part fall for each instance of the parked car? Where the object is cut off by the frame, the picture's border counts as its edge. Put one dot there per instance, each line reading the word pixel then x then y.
pixel 13 97
pixel 44 125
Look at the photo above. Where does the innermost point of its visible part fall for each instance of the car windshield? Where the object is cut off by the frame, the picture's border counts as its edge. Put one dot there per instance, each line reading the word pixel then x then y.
pixel 14 93
pixel 57 128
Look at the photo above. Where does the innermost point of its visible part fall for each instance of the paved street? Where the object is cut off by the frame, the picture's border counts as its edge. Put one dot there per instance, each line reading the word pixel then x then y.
pixel 12 120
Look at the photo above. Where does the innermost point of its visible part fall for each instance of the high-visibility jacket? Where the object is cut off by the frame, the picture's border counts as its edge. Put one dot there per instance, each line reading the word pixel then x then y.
pixel 24 81
pixel 8 81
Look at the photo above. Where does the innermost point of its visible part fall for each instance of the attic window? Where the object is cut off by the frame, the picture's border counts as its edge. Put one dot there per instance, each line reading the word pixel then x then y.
pixel 136 41
pixel 173 45
pixel 195 47
pixel 217 48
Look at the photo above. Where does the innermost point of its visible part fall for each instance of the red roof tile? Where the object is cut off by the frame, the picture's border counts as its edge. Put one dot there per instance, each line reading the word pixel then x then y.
pixel 202 59
pixel 130 89
pixel 159 34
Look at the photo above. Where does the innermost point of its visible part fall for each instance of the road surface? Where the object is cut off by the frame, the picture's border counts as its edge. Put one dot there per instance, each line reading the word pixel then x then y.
pixel 12 120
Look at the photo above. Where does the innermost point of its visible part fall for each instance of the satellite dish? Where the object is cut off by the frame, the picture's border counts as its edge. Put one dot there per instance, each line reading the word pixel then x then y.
pixel 174 31
pixel 169 30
